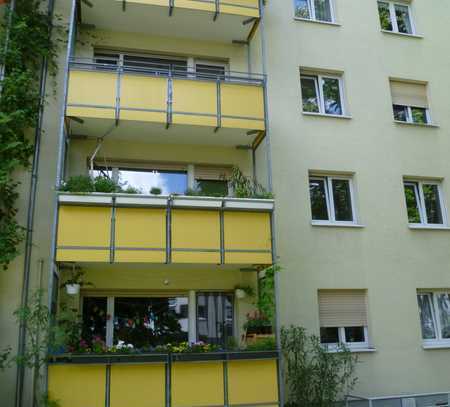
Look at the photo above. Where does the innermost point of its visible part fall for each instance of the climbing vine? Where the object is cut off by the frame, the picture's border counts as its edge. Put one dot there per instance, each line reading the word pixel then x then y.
pixel 25 40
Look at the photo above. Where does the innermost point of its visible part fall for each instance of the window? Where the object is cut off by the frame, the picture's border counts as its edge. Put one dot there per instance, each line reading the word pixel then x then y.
pixel 343 318
pixel 320 10
pixel 424 203
pixel 395 17
pixel 331 199
pixel 410 102
pixel 210 70
pixel 434 312
pixel 212 181
pixel 322 94
pixel 214 317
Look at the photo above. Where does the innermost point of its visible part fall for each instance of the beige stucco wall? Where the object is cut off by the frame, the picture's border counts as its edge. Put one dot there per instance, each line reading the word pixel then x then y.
pixel 385 257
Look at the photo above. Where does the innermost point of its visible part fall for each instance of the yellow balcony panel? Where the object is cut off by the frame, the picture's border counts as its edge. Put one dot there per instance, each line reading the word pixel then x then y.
pixel 242 106
pixel 139 92
pixel 77 385
pixel 140 235
pixel 194 102
pixel 253 382
pixel 247 238
pixel 137 385
pixel 83 233
pixel 195 236
pixel 197 384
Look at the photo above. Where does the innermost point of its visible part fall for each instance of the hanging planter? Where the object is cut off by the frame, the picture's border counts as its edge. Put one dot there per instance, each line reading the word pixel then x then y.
pixel 240 293
pixel 73 289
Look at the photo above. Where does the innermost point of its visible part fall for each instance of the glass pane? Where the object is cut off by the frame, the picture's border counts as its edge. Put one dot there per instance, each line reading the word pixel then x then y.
pixel 309 95
pixel 400 113
pixel 432 203
pixel 213 187
pixel 94 318
pixel 156 65
pixel 419 115
pixel 318 199
pixel 403 20
pixel 215 318
pixel 302 9
pixel 354 334
pixel 148 322
pixel 210 71
pixel 426 316
pixel 342 200
pixel 170 182
pixel 385 16
pixel 332 96
pixel 444 314
pixel 323 10
pixel 412 204
pixel 329 335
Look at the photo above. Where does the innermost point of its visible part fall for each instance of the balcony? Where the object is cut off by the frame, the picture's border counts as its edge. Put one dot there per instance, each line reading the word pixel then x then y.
pixel 158 380
pixel 215 20
pixel 156 103
pixel 121 228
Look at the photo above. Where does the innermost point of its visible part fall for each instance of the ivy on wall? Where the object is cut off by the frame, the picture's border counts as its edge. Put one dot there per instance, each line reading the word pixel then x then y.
pixel 25 40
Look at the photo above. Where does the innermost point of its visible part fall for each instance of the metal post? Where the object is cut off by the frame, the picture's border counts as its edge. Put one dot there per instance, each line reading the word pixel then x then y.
pixel 169 99
pixel 108 385
pixel 218 105
pixel 169 231
pixel 225 382
pixel 118 90
pixel 217 9
pixel 168 381
pixel 112 242
pixel 222 233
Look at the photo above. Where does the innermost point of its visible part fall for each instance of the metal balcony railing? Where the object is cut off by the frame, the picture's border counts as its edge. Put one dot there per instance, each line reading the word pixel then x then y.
pixel 414 400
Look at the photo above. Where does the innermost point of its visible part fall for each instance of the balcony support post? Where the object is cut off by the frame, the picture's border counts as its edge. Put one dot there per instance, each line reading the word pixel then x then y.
pixel 168 381
pixel 222 233
pixel 217 11
pixel 169 231
pixel 171 6
pixel 124 5
pixel 218 106
pixel 169 100
pixel 108 385
pixel 112 241
pixel 192 324
pixel 118 91
pixel 225 382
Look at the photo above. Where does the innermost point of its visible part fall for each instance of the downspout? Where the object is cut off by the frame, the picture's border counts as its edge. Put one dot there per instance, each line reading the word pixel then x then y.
pixel 20 375
pixel 281 384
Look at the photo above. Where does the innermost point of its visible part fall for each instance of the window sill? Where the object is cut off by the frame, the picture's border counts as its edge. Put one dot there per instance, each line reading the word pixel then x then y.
pixel 402 34
pixel 428 227
pixel 437 345
pixel 337 225
pixel 354 350
pixel 431 125
pixel 333 116
pixel 309 20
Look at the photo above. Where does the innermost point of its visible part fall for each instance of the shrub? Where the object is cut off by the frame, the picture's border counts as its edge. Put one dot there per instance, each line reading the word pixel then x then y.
pixel 105 184
pixel 78 183
pixel 156 191
pixel 314 376
pixel 262 344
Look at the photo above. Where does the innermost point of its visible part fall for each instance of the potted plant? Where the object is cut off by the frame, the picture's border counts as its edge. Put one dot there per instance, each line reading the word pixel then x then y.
pixel 258 324
pixel 156 191
pixel 244 291
pixel 75 282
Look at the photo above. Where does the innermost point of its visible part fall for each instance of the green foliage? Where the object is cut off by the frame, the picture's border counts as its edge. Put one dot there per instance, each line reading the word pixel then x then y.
pixel 248 290
pixel 30 40
pixel 315 377
pixel 78 183
pixel 266 295
pixel 76 277
pixel 5 358
pixel 106 185
pixel 246 187
pixel 156 191
pixel 262 344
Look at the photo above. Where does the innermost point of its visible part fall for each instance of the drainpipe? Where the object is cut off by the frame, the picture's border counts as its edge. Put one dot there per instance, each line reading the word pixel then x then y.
pixel 30 220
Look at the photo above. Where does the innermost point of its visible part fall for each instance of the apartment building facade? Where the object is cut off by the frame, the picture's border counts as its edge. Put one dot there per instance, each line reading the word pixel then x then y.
pixel 338 106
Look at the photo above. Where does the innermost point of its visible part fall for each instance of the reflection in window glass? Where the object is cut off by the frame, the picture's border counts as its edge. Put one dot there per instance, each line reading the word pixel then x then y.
pixel 403 19
pixel 426 316
pixel 342 200
pixel 302 9
pixel 215 317
pixel 412 203
pixel 94 318
pixel 212 187
pixel 432 203
pixel 323 10
pixel 309 94
pixel 354 334
pixel 148 322
pixel 419 115
pixel 400 113
pixel 329 335
pixel 443 301
pixel 170 182
pixel 318 199
pixel 331 95
pixel 385 16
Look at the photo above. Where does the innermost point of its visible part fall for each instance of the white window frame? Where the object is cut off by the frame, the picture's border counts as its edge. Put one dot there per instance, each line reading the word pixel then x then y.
pixel 318 83
pixel 349 345
pixel 393 16
pixel 312 12
pixel 328 179
pixel 420 198
pixel 439 341
pixel 409 115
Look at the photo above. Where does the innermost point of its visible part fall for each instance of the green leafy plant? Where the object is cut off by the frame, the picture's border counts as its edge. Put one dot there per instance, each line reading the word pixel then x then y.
pixel 266 292
pixel 246 187
pixel 131 190
pixel 5 358
pixel 262 344
pixel 78 183
pixel 155 191
pixel 105 184
pixel 76 277
pixel 258 323
pixel 248 290
pixel 23 46
pixel 314 376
